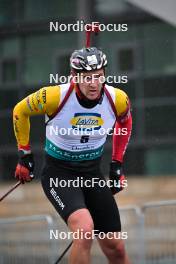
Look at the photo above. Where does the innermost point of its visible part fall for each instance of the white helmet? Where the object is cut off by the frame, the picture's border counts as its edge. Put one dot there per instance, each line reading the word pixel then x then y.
pixel 88 59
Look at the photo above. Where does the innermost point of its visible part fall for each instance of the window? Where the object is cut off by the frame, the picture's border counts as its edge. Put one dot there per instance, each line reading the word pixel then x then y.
pixel 161 86
pixel 63 65
pixel 8 98
pixel 44 10
pixel 8 11
pixel 9 71
pixel 43 60
pixel 113 7
pixel 129 88
pixel 6 131
pixel 161 160
pixel 159 121
pixel 6 166
pixel 126 59
pixel 159 56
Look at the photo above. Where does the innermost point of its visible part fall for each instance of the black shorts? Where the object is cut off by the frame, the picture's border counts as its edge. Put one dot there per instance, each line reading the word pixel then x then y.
pixel 67 197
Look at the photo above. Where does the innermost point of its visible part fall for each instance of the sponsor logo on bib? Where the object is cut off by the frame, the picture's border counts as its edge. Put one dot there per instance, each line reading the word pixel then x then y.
pixel 87 121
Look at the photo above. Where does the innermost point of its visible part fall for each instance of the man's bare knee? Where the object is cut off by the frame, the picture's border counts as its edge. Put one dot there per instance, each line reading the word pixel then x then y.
pixel 81 222
pixel 113 249
pixel 80 219
pixel 120 249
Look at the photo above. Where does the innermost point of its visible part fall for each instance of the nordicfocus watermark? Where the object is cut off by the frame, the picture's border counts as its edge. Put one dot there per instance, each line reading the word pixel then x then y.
pixel 80 182
pixel 80 78
pixel 80 26
pixel 80 234
pixel 80 131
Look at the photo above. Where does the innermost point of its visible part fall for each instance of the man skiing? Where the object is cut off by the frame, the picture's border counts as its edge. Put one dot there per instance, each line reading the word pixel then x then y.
pixel 83 109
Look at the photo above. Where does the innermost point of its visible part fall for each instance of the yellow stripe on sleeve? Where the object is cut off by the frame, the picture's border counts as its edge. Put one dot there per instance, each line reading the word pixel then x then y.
pixel 44 101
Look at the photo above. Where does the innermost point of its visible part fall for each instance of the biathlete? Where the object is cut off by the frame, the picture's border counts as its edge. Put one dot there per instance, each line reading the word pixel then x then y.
pixel 84 109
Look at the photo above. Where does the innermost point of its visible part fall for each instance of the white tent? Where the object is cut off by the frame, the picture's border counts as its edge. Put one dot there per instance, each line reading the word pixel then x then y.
pixel 164 9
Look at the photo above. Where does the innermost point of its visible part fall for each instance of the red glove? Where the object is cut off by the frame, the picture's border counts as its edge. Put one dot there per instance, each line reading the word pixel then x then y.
pixel 25 167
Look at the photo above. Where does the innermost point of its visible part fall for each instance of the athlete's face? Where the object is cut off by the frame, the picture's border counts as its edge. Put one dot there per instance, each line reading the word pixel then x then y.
pixel 90 83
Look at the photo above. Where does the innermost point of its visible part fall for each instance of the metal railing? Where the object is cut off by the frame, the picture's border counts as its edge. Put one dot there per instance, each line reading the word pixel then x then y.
pixel 160 232
pixel 26 240
pixel 151 231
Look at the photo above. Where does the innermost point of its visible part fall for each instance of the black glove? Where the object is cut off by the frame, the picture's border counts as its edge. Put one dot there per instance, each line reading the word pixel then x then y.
pixel 117 177
pixel 25 167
